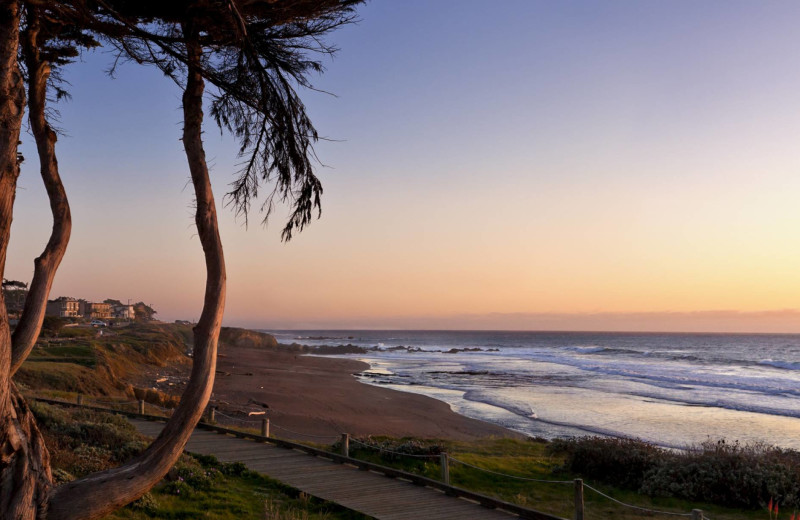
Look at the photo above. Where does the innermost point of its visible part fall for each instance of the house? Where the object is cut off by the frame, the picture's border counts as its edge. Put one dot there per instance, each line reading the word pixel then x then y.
pixel 123 312
pixel 95 311
pixel 64 307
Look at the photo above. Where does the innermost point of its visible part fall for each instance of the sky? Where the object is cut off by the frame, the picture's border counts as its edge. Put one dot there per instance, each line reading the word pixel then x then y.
pixel 571 165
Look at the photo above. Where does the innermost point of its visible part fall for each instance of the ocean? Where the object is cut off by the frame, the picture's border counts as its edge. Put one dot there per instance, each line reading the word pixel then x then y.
pixel 674 390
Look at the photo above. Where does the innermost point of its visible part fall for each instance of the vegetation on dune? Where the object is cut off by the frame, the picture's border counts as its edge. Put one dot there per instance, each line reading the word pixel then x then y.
pixel 233 336
pixel 83 362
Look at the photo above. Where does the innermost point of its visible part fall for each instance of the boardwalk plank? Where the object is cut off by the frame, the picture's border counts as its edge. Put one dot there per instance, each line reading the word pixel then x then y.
pixel 365 491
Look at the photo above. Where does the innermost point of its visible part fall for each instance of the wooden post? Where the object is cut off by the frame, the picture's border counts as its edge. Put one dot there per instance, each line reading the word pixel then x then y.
pixel 697 514
pixel 444 461
pixel 80 399
pixel 211 418
pixel 579 499
pixel 264 427
pixel 141 406
pixel 346 444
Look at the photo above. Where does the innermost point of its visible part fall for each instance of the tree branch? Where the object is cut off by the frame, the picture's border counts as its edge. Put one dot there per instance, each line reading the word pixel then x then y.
pixel 46 265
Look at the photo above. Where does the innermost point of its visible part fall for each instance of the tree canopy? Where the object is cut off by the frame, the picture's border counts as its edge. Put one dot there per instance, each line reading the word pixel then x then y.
pixel 255 55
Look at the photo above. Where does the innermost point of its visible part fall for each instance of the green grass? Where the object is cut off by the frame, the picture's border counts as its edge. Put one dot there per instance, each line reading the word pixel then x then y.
pixel 78 353
pixel 80 361
pixel 62 375
pixel 77 332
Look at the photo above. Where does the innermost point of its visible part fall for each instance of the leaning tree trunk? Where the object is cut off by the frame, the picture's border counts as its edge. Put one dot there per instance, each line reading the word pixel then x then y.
pixel 45 266
pixel 24 464
pixel 101 493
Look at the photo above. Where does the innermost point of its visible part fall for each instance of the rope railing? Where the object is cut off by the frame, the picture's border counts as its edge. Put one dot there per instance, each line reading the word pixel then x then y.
pixel 166 411
pixel 387 450
pixel 112 402
pixel 631 506
pixel 239 419
pixel 526 479
pixel 305 434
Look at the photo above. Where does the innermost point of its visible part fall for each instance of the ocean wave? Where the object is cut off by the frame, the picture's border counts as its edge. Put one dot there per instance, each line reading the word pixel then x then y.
pixel 785 365
pixel 672 355
pixel 587 349
pixel 679 376
pixel 721 403
pixel 525 411
pixel 520 408
pixel 762 385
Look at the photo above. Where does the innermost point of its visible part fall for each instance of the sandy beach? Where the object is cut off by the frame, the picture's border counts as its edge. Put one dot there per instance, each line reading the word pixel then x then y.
pixel 320 396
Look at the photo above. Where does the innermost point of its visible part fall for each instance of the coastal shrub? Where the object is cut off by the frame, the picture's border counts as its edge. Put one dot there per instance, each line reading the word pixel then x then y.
pixel 83 460
pixel 46 415
pixel 177 488
pixel 719 472
pixel 391 449
pixel 411 455
pixel 622 462
pixel 728 473
pixel 52 325
pixel 83 441
pixel 147 504
pixel 192 473
pixel 234 469
pixel 77 332
pixel 61 477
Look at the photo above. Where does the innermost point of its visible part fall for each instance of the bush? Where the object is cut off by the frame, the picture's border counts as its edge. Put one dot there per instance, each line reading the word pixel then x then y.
pixel 83 441
pixel 394 449
pixel 52 325
pixel 622 462
pixel 729 474
pixel 178 488
pixel 732 474
pixel 61 477
pixel 191 472
pixel 147 503
pixel 234 469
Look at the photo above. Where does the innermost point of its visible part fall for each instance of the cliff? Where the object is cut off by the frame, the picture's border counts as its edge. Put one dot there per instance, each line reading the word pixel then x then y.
pixel 243 338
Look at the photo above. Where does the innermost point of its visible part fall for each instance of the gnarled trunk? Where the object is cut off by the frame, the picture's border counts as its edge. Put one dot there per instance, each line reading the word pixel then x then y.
pixel 101 493
pixel 24 465
pixel 45 266
pixel 26 471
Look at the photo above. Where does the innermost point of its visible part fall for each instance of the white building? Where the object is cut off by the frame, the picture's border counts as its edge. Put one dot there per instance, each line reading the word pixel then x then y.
pixel 123 312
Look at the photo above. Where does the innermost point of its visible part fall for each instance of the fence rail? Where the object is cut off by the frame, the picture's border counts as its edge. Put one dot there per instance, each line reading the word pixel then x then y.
pixel 445 459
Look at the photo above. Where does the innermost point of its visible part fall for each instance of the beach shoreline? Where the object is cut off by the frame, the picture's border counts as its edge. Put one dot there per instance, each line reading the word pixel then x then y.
pixel 313 397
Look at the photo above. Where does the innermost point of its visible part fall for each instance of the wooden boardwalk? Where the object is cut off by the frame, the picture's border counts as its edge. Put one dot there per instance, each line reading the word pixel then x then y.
pixel 368 492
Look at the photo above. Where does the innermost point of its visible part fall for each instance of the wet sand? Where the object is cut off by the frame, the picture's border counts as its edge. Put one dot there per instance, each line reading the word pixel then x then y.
pixel 319 396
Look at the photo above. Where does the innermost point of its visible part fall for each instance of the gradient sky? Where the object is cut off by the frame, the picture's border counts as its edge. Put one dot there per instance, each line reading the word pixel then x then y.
pixel 619 165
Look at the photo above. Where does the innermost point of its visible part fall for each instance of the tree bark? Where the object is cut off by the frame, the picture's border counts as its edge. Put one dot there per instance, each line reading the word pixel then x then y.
pixel 101 493
pixel 30 324
pixel 24 462
pixel 26 477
